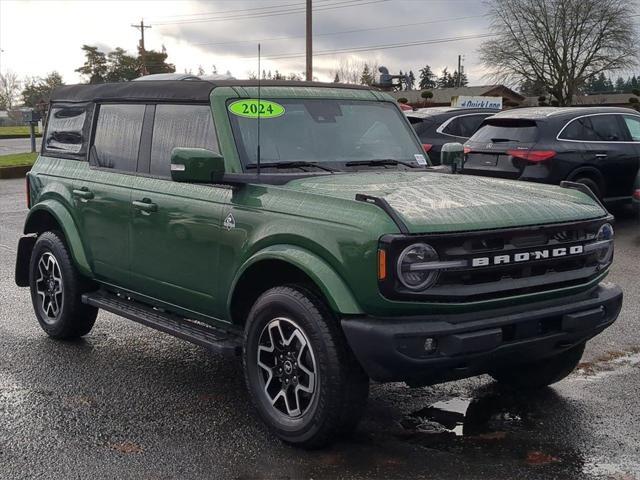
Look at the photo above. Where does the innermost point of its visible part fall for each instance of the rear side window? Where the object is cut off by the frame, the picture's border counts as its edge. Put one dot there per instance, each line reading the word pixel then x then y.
pixel 180 126
pixel 464 126
pixel 117 138
pixel 594 128
pixel 67 130
pixel 515 131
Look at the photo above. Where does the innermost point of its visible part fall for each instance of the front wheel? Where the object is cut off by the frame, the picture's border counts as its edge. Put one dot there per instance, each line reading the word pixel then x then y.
pixel 541 373
pixel 302 377
pixel 56 290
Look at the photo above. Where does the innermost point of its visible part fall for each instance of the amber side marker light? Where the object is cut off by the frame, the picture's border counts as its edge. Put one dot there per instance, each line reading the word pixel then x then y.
pixel 382 264
pixel 28 191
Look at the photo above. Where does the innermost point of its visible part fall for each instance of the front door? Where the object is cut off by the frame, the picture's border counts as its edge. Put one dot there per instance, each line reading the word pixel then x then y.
pixel 610 150
pixel 176 227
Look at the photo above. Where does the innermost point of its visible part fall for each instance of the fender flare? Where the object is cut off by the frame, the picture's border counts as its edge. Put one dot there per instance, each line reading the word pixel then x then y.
pixel 332 286
pixel 68 227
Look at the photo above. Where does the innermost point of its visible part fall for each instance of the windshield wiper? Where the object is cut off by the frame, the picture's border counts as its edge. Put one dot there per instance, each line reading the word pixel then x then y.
pixel 386 161
pixel 292 164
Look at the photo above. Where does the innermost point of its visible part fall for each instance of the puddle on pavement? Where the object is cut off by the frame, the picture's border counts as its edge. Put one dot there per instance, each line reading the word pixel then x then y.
pixel 489 417
pixel 611 363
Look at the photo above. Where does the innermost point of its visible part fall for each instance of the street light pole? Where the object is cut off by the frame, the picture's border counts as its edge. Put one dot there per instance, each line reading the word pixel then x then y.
pixel 309 43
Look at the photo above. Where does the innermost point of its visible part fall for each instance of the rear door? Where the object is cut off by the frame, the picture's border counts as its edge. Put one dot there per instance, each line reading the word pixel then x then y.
pixel 176 227
pixel 103 192
pixel 609 148
pixel 489 149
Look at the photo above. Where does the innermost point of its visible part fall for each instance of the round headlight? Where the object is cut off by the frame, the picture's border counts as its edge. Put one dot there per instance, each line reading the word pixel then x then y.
pixel 409 272
pixel 605 234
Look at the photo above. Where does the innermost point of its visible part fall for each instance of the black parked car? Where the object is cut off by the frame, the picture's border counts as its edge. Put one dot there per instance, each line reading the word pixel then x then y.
pixel 439 125
pixel 599 147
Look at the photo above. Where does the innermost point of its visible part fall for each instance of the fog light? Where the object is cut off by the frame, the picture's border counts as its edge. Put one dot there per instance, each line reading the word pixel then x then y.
pixel 430 345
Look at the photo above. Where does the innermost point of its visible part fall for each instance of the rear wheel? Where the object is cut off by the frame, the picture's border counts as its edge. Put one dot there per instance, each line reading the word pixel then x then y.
pixel 592 184
pixel 541 373
pixel 56 290
pixel 302 377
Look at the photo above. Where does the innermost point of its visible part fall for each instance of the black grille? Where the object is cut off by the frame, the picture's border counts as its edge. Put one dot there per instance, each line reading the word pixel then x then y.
pixel 481 283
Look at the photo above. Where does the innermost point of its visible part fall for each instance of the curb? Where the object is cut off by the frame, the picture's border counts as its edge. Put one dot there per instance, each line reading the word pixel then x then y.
pixel 18 135
pixel 14 172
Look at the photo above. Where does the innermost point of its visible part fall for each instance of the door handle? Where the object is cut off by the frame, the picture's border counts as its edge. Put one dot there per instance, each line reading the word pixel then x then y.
pixel 83 193
pixel 601 155
pixel 145 205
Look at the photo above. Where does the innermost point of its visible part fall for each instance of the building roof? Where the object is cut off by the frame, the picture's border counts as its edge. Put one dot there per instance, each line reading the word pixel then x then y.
pixel 170 90
pixel 444 95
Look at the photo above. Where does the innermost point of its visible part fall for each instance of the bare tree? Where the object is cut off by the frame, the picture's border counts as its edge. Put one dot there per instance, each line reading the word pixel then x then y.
pixel 349 70
pixel 559 44
pixel 9 89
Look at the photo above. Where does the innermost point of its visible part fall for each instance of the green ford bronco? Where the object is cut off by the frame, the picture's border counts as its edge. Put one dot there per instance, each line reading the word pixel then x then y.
pixel 301 227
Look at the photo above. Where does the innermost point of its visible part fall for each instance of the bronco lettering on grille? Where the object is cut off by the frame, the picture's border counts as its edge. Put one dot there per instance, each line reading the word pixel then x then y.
pixel 527 256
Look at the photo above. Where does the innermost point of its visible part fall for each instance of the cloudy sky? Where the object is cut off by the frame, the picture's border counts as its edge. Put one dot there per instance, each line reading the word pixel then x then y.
pixel 37 37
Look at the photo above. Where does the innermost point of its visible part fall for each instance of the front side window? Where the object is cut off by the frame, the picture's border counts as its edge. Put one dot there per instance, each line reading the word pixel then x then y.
pixel 117 138
pixel 633 125
pixel 606 128
pixel 66 130
pixel 326 131
pixel 180 126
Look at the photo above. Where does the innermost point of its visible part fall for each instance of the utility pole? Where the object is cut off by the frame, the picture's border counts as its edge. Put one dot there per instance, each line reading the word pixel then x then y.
pixel 309 43
pixel 459 79
pixel 143 52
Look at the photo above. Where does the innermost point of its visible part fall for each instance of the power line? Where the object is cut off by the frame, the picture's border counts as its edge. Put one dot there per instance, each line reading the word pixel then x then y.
pixel 275 13
pixel 270 7
pixel 381 47
pixel 341 32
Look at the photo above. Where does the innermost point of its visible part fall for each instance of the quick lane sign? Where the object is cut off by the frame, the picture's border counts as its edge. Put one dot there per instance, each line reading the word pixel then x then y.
pixel 476 102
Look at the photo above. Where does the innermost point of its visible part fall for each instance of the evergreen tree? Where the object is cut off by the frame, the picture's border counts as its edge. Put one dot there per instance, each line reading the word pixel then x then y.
pixel 121 67
pixel 427 78
pixel 366 78
pixel 530 88
pixel 445 80
pixel 463 79
pixel 336 79
pixel 95 65
pixel 155 62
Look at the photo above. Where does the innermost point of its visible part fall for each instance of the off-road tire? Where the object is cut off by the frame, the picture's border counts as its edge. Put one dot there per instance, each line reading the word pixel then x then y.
pixel 73 318
pixel 539 374
pixel 342 386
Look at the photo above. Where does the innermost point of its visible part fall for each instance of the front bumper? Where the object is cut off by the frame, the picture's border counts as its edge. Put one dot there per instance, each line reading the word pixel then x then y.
pixel 393 349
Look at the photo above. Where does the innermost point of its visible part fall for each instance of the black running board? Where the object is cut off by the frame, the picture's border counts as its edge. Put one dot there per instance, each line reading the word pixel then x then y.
pixel 213 339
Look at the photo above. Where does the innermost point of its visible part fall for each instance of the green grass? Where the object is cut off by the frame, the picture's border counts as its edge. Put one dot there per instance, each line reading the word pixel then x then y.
pixel 11 131
pixel 17 159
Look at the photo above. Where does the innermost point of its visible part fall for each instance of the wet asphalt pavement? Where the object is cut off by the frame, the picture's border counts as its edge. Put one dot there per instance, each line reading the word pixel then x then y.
pixel 130 402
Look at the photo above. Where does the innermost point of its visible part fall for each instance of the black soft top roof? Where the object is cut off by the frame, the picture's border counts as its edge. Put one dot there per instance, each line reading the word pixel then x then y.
pixel 168 90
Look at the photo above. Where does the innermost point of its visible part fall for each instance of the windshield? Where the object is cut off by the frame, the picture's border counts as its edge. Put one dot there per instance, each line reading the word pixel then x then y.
pixel 323 131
